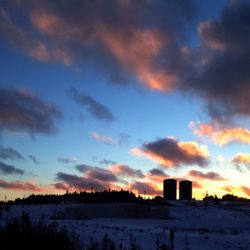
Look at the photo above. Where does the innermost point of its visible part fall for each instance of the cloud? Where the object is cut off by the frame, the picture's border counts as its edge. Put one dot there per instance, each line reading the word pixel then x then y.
pixel 169 152
pixel 246 190
pixel 10 153
pixel 223 81
pixel 103 138
pixel 101 174
pixel 222 136
pixel 34 159
pixel 126 171
pixel 60 186
pixel 241 159
pixel 80 183
pixel 123 138
pixel 67 160
pixel 94 107
pixel 107 162
pixel 148 40
pixel 9 169
pixel 20 186
pixel 145 188
pixel 146 44
pixel 22 111
pixel 157 172
pixel 213 176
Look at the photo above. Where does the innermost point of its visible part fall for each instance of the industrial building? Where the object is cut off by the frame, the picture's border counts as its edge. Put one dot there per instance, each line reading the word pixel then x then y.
pixel 169 189
pixel 185 190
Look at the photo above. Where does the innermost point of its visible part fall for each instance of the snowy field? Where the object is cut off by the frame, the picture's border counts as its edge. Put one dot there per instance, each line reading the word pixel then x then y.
pixel 197 225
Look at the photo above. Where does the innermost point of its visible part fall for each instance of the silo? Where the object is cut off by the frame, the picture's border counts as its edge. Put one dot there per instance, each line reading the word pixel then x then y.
pixel 169 189
pixel 185 190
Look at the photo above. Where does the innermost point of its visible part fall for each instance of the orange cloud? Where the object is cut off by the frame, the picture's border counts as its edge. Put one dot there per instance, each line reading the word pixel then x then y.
pixel 246 190
pixel 171 153
pixel 222 136
pixel 241 159
pixel 137 50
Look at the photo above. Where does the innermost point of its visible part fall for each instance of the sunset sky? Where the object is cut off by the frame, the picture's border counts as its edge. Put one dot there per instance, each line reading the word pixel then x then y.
pixel 123 94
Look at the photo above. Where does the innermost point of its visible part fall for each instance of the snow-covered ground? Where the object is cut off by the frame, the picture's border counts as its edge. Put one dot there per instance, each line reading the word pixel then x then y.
pixel 199 225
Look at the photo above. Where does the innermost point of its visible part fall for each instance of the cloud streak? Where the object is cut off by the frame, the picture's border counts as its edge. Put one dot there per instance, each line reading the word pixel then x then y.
pixel 103 138
pixel 34 159
pixel 10 153
pixel 221 136
pixel 94 107
pixel 9 169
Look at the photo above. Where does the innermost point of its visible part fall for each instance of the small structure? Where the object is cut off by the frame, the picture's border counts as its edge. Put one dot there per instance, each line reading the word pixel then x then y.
pixel 185 190
pixel 169 189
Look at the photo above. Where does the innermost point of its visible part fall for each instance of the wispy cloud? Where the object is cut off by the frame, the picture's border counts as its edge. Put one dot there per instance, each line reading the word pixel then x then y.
pixel 67 160
pixel 10 153
pixel 9 169
pixel 94 107
pixel 103 138
pixel 34 159
pixel 219 135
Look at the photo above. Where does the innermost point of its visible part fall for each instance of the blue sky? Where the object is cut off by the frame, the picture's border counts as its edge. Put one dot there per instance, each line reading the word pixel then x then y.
pixel 151 85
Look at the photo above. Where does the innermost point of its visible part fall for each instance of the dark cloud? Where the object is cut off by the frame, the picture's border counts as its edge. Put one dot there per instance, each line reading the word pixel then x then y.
pixel 213 176
pixel 67 160
pixel 77 182
pixel 107 162
pixel 145 188
pixel 157 172
pixel 223 79
pixel 23 111
pixel 17 185
pixel 10 153
pixel 100 174
pixel 9 169
pixel 94 107
pixel 34 159
pixel 169 152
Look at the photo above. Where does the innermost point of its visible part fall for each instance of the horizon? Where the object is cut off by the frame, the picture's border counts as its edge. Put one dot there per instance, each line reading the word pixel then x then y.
pixel 124 95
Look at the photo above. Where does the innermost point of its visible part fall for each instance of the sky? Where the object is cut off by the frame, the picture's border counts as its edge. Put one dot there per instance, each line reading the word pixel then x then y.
pixel 122 94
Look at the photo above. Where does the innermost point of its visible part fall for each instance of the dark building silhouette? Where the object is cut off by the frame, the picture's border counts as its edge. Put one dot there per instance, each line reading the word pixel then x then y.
pixel 169 189
pixel 185 190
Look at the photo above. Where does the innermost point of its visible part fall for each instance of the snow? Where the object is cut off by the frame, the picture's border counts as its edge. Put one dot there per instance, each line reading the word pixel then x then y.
pixel 199 225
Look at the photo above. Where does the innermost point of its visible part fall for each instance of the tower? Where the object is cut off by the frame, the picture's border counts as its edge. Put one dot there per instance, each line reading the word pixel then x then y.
pixel 169 189
pixel 185 190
